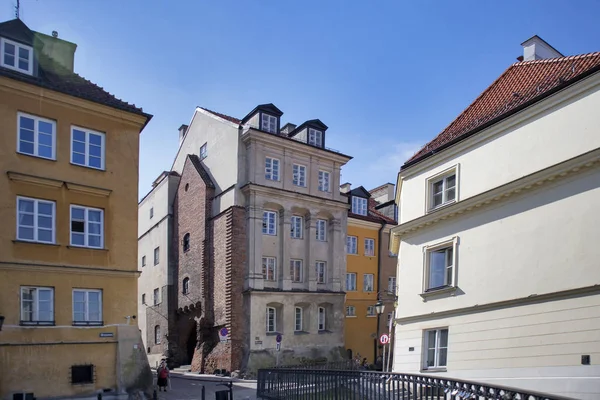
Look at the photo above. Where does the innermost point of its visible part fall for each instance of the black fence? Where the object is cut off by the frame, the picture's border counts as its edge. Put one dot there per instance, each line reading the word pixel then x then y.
pixel 320 384
pixel 345 365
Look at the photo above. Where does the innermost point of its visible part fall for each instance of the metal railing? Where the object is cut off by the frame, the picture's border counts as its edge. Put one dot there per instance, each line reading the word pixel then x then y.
pixel 345 365
pixel 312 384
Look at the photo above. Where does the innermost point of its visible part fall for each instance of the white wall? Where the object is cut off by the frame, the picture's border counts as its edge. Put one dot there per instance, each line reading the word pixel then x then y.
pixel 222 148
pixel 565 131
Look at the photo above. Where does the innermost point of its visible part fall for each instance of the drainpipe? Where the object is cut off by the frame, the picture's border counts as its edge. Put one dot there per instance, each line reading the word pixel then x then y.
pixel 380 236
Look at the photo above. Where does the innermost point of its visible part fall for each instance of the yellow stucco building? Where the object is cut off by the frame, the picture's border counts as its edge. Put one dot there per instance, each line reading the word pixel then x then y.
pixel 68 208
pixel 366 228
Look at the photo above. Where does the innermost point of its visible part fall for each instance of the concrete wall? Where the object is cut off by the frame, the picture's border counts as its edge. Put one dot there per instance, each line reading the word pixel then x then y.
pixel 514 150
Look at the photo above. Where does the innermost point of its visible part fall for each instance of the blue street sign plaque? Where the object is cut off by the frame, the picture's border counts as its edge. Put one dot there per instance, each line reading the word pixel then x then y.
pixel 278 338
pixel 223 332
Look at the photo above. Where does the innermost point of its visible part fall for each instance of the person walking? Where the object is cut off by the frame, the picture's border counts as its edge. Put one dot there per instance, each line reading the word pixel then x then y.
pixel 163 375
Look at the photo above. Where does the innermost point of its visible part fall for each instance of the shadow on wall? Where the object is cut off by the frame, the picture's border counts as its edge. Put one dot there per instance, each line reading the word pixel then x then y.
pixel 134 374
pixel 268 358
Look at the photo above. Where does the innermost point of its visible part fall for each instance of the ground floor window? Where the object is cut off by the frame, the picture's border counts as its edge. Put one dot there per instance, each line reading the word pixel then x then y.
pixel 436 347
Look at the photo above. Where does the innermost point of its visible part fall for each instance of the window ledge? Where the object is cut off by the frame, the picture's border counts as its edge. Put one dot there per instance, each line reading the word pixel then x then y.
pixel 37 323
pixel 273 333
pixel 451 290
pixel 429 370
pixel 88 323
pixel 87 248
pixel 324 331
pixel 301 333
pixel 371 316
pixel 32 242
pixel 441 206
pixel 88 167
pixel 350 316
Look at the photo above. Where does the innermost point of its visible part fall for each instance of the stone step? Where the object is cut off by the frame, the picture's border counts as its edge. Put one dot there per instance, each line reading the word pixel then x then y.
pixel 183 368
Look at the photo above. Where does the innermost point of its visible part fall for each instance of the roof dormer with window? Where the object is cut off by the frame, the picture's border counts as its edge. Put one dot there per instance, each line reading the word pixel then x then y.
pixel 311 132
pixel 16 56
pixel 265 117
pixel 359 201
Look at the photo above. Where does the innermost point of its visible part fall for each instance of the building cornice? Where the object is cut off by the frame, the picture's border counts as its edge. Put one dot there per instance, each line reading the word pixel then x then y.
pixel 519 301
pixel 64 269
pixel 499 194
pixel 57 183
pixel 35 93
pixel 269 191
pixel 359 223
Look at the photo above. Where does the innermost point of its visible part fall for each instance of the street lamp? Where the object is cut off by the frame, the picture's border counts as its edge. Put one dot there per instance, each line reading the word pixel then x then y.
pixel 1 321
pixel 379 307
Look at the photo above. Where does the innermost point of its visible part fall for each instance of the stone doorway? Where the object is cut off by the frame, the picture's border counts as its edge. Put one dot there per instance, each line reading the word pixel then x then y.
pixel 192 342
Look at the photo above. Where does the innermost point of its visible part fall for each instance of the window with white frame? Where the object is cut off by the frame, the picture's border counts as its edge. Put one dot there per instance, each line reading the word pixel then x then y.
pixel 321 318
pixel 296 227
pixel 271 169
pixel 37 305
pixel 203 152
pixel 392 285
pixel 321 232
pixel 436 347
pixel 87 306
pixel 359 205
pixel 442 189
pixel 321 271
pixel 271 319
pixel 350 311
pixel 156 255
pixel 298 317
pixel 368 282
pixel 268 123
pixel 36 136
pixel 371 311
pixel 157 334
pixel 299 175
pixel 324 181
pixel 156 297
pixel 36 220
pixel 87 227
pixel 269 223
pixel 351 245
pixel 351 282
pixel 16 56
pixel 296 270
pixel 87 148
pixel 315 137
pixel 269 265
pixel 440 266
pixel 369 247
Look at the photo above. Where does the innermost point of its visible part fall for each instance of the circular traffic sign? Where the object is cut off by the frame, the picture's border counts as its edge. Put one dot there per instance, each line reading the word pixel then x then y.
pixel 278 338
pixel 384 339
pixel 223 332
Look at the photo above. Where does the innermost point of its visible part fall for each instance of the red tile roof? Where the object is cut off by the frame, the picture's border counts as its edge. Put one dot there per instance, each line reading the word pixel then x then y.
pixel 521 85
pixel 375 213
pixel 227 117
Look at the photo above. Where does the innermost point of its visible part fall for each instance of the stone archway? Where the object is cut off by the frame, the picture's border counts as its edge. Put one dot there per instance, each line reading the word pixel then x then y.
pixel 191 343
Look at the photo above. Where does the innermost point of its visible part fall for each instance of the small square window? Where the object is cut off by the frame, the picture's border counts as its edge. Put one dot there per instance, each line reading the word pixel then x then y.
pixel 315 137
pixel 442 189
pixel 87 307
pixel 271 169
pixel 350 311
pixel 36 220
pixel 37 305
pixel 87 148
pixel 436 348
pixel 82 374
pixel 359 205
pixel 371 311
pixel 16 56
pixel 36 136
pixel 203 152
pixel 87 227
pixel 440 271
pixel 268 123
pixel 269 223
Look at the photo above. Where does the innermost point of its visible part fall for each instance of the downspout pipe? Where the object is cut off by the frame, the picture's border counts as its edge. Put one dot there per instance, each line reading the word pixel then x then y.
pixel 379 258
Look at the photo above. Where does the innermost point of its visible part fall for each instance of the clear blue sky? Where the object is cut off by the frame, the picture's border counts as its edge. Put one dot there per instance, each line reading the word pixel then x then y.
pixel 385 76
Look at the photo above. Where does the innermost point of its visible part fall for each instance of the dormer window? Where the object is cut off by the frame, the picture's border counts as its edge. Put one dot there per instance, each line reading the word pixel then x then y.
pixel 16 56
pixel 268 123
pixel 359 205
pixel 315 137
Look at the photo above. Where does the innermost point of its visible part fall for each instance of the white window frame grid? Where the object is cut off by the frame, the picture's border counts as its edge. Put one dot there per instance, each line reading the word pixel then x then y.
pixel 269 223
pixel 266 120
pixel 18 46
pixel 366 279
pixel 321 267
pixel 299 175
pixel 351 244
pixel 86 231
pixel 315 137
pixel 269 265
pixel 321 231
pixel 35 309
pixel 157 334
pixel 359 205
pixel 296 227
pixel 371 311
pixel 350 311
pixel 156 297
pixel 268 318
pixel 296 270
pixel 351 288
pixel 321 322
pixel 36 135
pixel 427 252
pixel 324 181
pixel 157 255
pixel 203 151
pixel 369 247
pixel 272 169
pixel 392 286
pixel 36 215
pixel 87 143
pixel 436 347
pixel 443 175
pixel 298 311
pixel 87 306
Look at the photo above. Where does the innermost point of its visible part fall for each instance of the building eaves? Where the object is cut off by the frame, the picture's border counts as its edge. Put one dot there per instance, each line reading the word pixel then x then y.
pixel 195 160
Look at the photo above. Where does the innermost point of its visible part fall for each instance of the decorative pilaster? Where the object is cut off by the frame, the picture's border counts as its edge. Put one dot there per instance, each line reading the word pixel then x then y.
pixel 255 224
pixel 285 226
pixel 337 255
pixel 310 261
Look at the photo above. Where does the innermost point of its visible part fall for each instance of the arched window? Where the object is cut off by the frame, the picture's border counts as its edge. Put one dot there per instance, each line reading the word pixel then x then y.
pixel 186 285
pixel 157 334
pixel 186 242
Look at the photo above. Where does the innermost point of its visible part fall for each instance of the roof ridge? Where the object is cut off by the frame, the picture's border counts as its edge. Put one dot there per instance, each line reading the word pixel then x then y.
pixel 221 115
pixel 557 59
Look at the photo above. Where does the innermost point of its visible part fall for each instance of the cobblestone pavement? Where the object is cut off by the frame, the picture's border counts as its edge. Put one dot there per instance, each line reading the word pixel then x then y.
pixel 185 387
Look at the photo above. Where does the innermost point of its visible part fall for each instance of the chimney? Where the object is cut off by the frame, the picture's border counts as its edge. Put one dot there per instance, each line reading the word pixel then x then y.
pixel 287 129
pixel 59 50
pixel 345 187
pixel 536 48
pixel 182 131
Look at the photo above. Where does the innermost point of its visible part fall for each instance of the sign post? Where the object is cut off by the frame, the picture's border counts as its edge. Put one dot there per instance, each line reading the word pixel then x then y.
pixel 384 339
pixel 223 332
pixel 278 346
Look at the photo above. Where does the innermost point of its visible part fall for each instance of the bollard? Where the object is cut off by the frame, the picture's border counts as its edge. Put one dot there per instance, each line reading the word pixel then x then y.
pixel 154 395
pixel 99 396
pixel 203 393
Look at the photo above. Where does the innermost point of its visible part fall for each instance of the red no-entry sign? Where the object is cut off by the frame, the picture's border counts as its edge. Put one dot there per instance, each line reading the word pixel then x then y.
pixel 384 339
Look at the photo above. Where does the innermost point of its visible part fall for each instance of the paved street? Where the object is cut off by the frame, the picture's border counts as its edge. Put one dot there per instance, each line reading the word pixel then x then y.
pixel 189 387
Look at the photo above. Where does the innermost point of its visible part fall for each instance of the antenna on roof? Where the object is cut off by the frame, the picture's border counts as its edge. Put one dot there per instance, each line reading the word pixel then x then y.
pixel 17 9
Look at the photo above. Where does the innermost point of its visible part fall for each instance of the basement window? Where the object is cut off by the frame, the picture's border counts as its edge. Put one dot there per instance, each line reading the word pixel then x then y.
pixel 82 374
